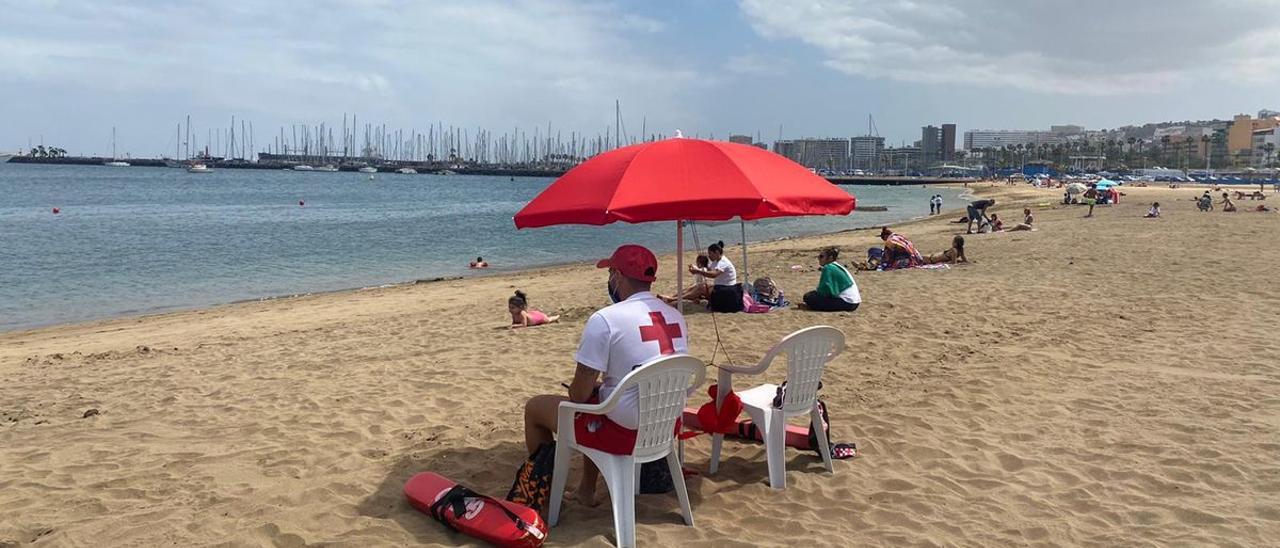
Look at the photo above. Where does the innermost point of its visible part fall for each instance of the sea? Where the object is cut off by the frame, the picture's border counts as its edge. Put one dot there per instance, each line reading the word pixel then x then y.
pixel 139 240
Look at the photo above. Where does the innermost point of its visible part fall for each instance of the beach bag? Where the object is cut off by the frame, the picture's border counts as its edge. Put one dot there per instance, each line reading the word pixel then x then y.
pixel 768 293
pixel 532 486
pixel 655 478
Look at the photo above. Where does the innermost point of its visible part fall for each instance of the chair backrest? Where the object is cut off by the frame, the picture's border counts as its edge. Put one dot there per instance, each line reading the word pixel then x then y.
pixel 664 385
pixel 808 351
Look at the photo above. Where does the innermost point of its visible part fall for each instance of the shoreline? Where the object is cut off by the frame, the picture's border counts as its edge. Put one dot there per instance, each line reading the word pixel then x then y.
pixel 499 271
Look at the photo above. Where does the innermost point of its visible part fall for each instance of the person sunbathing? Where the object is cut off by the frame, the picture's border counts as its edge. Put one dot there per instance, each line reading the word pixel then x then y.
pixel 700 290
pixel 522 316
pixel 953 255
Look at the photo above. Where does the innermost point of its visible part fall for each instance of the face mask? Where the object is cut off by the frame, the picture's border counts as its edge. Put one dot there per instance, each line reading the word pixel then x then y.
pixel 613 292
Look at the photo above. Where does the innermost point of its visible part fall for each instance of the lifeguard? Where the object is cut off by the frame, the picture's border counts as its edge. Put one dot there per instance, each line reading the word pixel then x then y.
pixel 636 329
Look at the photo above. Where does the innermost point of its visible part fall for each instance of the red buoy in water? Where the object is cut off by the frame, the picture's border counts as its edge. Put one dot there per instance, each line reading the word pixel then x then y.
pixel 56 211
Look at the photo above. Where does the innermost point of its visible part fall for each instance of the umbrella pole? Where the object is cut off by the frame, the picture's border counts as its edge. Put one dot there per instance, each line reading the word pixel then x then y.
pixel 680 266
pixel 745 270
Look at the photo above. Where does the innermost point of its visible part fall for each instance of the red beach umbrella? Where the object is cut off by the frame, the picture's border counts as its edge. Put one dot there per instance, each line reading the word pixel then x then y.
pixel 681 179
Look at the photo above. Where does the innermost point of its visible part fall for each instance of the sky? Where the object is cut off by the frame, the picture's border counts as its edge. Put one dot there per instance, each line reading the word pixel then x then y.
pixel 71 70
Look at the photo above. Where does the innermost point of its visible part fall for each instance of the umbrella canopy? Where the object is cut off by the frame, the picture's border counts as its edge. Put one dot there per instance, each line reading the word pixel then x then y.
pixel 1076 188
pixel 1105 184
pixel 683 179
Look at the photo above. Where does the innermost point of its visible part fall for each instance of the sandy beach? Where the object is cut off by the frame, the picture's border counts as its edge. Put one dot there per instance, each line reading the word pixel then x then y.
pixel 1105 381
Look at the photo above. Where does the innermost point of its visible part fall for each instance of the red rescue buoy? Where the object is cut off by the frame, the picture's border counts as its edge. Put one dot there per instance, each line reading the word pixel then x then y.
pixel 56 211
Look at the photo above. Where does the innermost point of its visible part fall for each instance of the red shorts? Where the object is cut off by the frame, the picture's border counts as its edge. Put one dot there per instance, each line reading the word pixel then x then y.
pixel 599 432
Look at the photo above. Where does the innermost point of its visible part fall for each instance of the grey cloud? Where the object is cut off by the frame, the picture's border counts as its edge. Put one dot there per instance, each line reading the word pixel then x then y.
pixel 1087 47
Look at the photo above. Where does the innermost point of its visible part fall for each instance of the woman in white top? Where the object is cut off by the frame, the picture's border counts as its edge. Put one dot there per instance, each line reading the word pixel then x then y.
pixel 725 294
pixel 720 270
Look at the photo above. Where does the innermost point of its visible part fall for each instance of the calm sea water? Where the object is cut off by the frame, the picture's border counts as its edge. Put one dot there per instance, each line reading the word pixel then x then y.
pixel 133 240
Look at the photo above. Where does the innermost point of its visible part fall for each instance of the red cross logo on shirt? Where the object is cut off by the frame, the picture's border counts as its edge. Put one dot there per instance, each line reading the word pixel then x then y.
pixel 660 331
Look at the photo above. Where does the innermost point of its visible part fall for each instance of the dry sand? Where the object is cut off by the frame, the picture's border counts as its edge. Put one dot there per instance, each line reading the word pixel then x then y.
pixel 1108 381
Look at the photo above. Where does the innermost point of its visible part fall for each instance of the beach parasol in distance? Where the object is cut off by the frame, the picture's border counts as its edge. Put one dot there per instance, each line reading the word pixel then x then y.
pixel 1076 188
pixel 679 180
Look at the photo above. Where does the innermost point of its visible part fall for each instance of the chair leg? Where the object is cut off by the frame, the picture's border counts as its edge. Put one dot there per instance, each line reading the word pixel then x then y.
pixel 716 441
pixel 775 446
pixel 824 445
pixel 677 479
pixel 559 476
pixel 620 477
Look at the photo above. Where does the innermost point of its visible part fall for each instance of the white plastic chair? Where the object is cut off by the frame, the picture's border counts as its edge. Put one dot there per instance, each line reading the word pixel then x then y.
pixel 664 385
pixel 807 352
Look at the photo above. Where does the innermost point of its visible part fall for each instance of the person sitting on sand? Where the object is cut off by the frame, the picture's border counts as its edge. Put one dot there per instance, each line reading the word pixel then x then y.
pixel 1228 206
pixel 1027 221
pixel 700 290
pixel 479 263
pixel 996 224
pixel 1154 212
pixel 836 292
pixel 953 255
pixel 725 294
pixel 1205 202
pixel 521 316
pixel 899 252
pixel 634 330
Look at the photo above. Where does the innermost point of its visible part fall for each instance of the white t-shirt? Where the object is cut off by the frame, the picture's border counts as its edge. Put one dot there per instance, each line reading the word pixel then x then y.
pixel 624 335
pixel 729 274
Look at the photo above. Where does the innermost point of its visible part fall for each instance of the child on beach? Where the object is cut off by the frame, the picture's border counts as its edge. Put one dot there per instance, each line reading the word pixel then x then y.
pixel 996 224
pixel 1154 212
pixel 700 290
pixel 521 316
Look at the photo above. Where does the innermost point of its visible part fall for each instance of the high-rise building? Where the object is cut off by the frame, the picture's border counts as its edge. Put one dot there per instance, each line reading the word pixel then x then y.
pixel 930 145
pixel 740 139
pixel 902 158
pixel 978 139
pixel 867 151
pixel 828 154
pixel 948 142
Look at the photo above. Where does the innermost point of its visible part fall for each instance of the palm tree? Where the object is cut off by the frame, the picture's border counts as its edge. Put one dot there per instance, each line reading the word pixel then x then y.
pixel 1164 148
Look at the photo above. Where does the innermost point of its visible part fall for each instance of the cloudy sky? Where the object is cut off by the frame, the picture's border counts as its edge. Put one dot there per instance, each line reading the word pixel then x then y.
pixel 72 69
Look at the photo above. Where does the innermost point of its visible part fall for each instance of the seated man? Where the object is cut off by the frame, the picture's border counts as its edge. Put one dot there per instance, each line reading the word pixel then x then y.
pixel 837 292
pixel 634 330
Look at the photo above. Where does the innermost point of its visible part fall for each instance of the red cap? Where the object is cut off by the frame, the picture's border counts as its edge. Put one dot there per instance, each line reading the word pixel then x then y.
pixel 633 261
